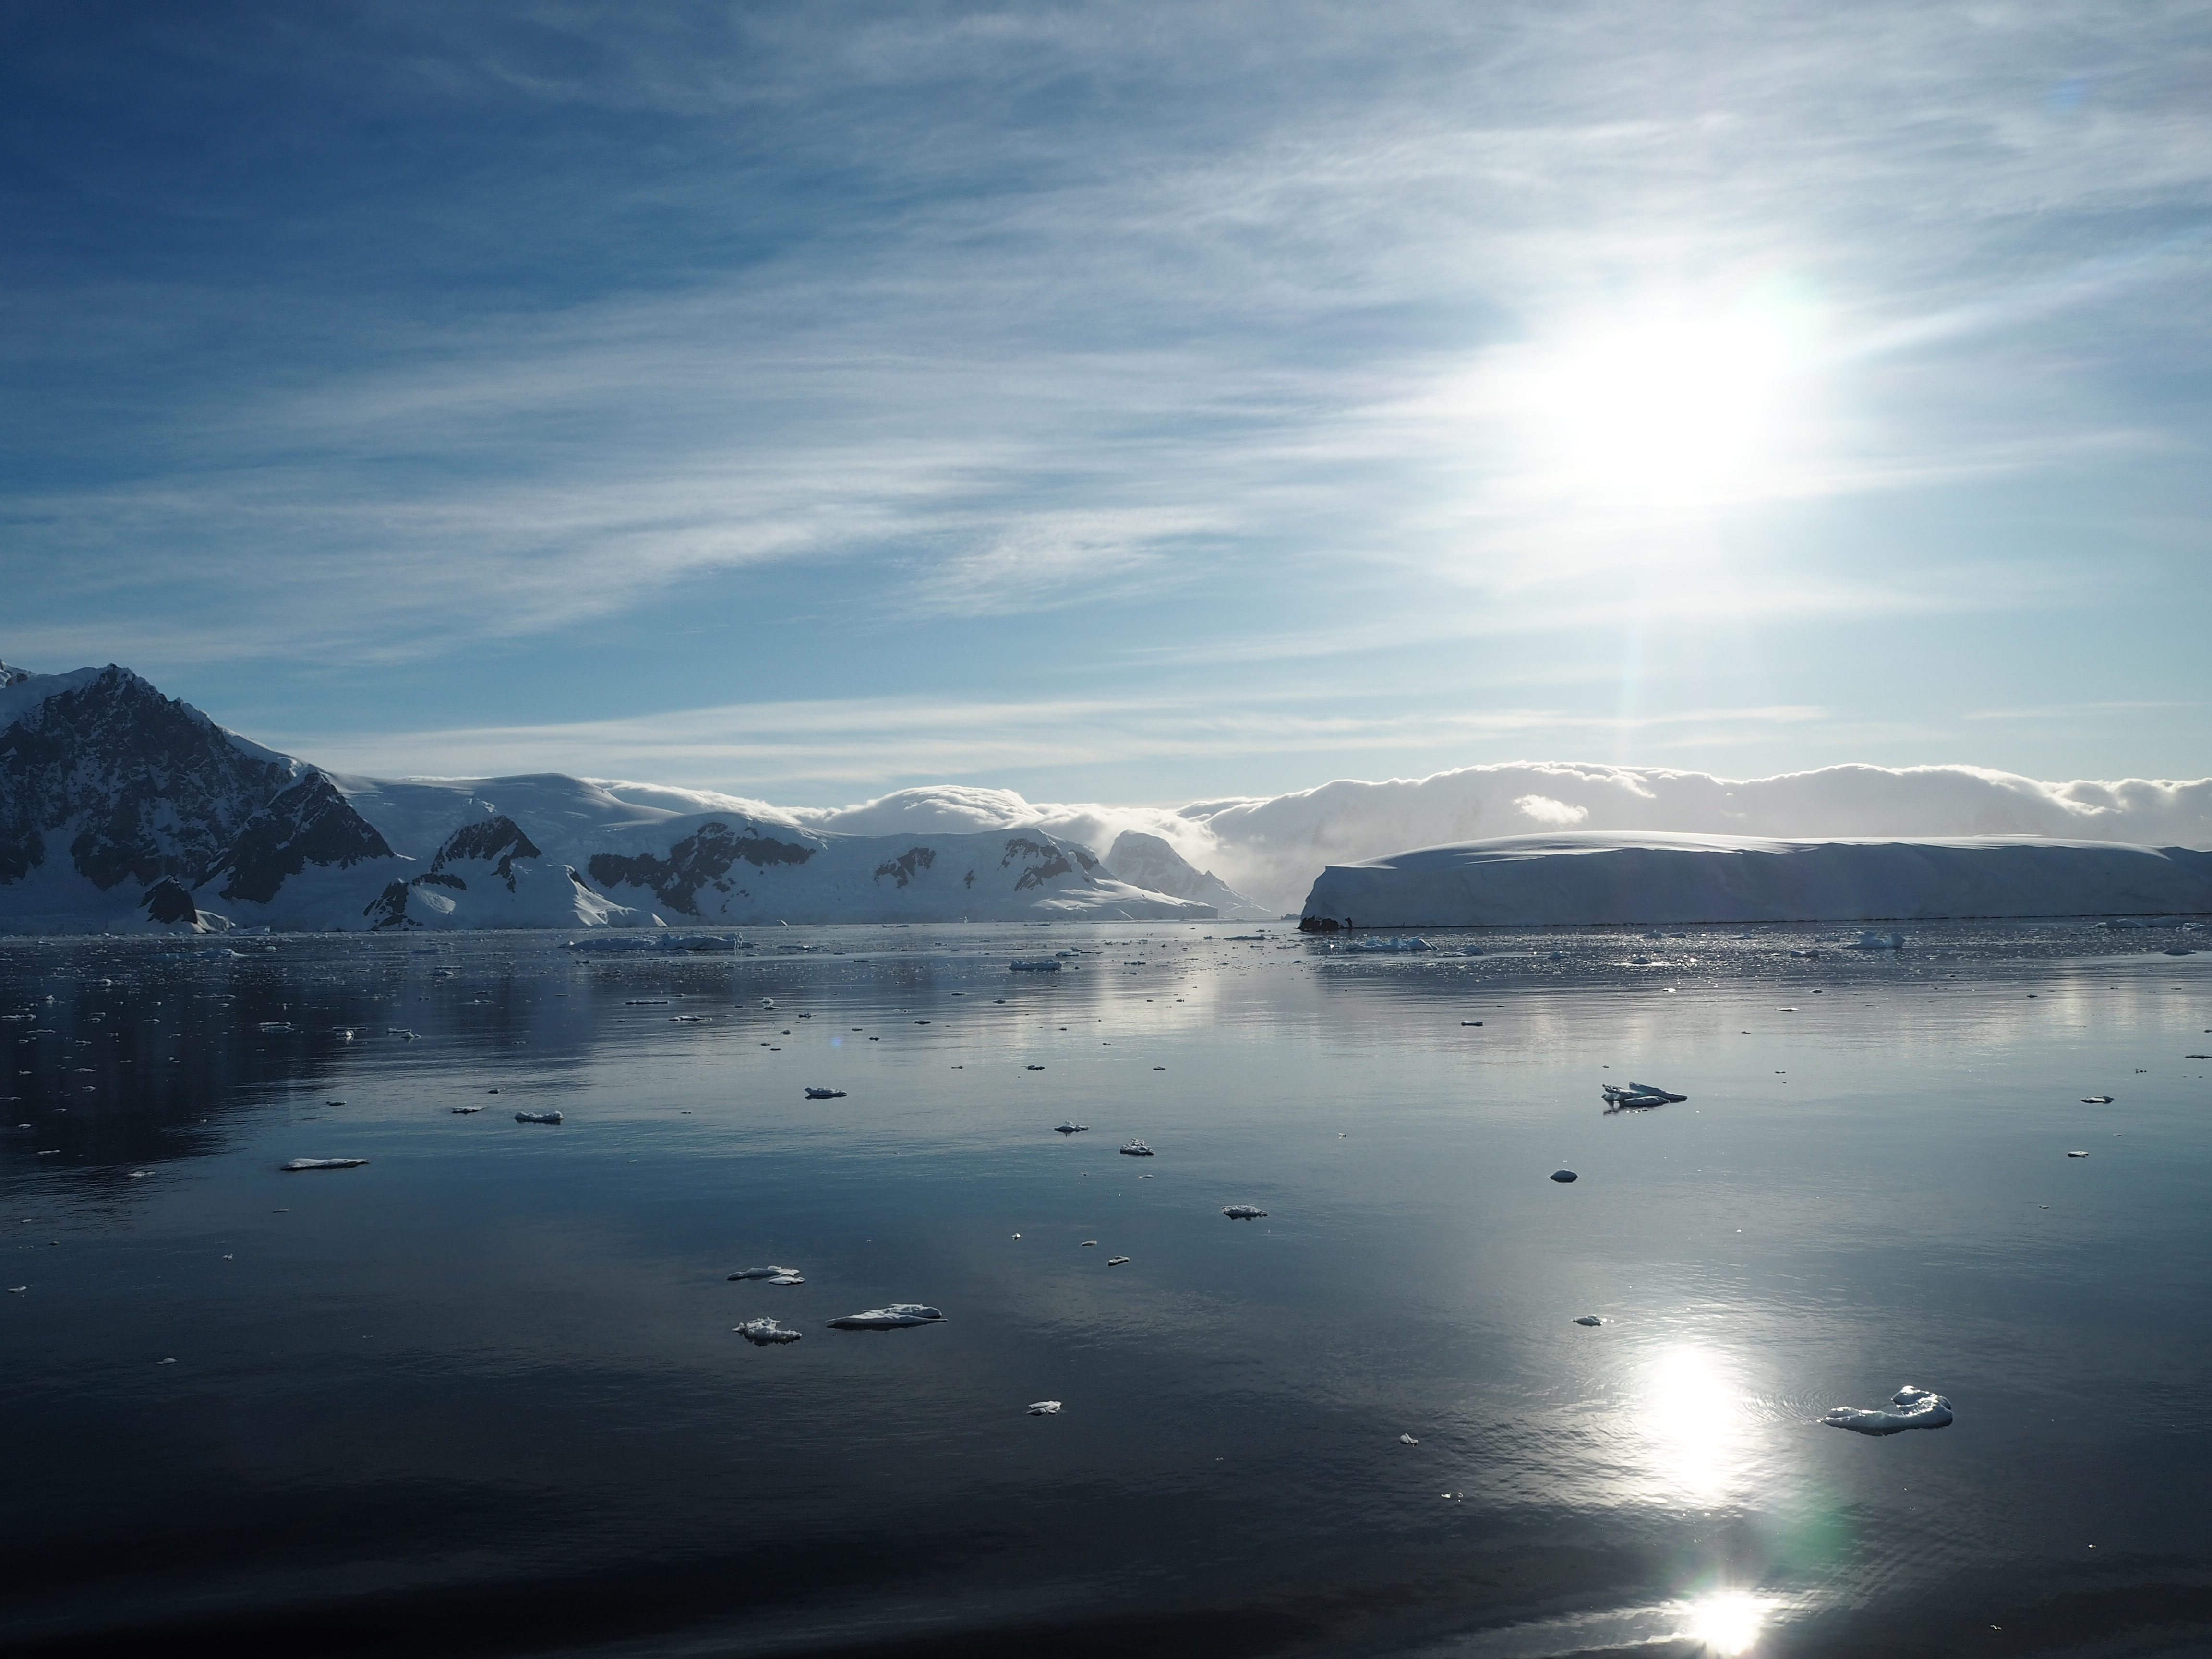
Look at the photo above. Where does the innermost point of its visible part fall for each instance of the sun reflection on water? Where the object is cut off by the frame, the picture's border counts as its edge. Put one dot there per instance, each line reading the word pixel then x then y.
pixel 1698 1439
pixel 1727 1621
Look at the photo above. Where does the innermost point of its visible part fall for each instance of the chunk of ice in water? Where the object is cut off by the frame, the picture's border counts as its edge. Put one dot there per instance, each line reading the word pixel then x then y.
pixel 1590 1319
pixel 1243 1212
pixel 1563 1176
pixel 770 1272
pixel 324 1162
pixel 825 1094
pixel 1407 1440
pixel 538 1117
pixel 892 1316
pixel 1045 1409
pixel 761 1333
pixel 1923 1409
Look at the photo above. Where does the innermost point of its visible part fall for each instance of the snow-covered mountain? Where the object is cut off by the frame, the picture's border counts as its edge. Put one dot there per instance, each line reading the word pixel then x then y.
pixel 1149 861
pixel 120 807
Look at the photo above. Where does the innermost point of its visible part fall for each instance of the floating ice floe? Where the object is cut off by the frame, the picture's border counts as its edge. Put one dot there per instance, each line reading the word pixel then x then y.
pixel 1386 947
pixel 344 1033
pixel 1089 1243
pixel 324 1162
pixel 278 1027
pixel 1035 965
pixel 1045 1409
pixel 399 1031
pixel 1638 1096
pixel 2096 1100
pixel 1923 1409
pixel 825 1094
pixel 1137 1149
pixel 1117 1260
pixel 1407 1440
pixel 1470 1021
pixel 1878 942
pixel 896 1316
pixel 1565 1175
pixel 463 1111
pixel 2077 1154
pixel 1590 1319
pixel 787 1274
pixel 764 1333
pixel 2178 951
pixel 538 1117
pixel 1071 1128
pixel 1244 1212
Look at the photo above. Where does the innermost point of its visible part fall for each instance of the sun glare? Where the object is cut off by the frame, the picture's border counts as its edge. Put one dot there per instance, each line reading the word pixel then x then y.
pixel 1673 407
pixel 1727 1622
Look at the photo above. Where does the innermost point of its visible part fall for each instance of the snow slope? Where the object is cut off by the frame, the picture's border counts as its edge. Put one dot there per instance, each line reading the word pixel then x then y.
pixel 1576 879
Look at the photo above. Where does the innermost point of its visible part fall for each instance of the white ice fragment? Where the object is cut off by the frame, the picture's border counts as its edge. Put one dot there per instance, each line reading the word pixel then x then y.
pixel 325 1163
pixel 1923 1409
pixel 278 1027
pixel 1116 1260
pixel 2096 1100
pixel 761 1333
pixel 463 1111
pixel 770 1273
pixel 1088 1242
pixel 1045 1409
pixel 825 1094
pixel 786 1278
pixel 1070 1128
pixel 2077 1154
pixel 538 1117
pixel 893 1317
pixel 1407 1440
pixel 1244 1212
pixel 1387 947
pixel 1137 1149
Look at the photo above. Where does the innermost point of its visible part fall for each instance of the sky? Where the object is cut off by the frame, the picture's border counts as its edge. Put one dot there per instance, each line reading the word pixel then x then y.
pixel 1141 403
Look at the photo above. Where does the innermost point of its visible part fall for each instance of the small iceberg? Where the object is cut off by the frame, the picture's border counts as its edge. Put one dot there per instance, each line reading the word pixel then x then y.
pixel 323 1163
pixel 791 1274
pixel 764 1333
pixel 1117 1260
pixel 1244 1212
pixel 2077 1154
pixel 538 1117
pixel 278 1027
pixel 1923 1409
pixel 1638 1096
pixel 897 1316
pixel 2096 1100
pixel 1137 1149
pixel 1034 965
pixel 1407 1440
pixel 1878 942
pixel 825 1094
pixel 1045 1409
pixel 462 1111
pixel 1563 1176
pixel 1591 1320
pixel 1071 1128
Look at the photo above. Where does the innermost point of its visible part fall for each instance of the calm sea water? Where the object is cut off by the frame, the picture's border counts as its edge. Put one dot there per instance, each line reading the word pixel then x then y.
pixel 484 1394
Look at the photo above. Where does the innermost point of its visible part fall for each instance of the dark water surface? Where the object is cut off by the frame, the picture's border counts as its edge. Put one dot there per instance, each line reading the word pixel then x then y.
pixel 484 1395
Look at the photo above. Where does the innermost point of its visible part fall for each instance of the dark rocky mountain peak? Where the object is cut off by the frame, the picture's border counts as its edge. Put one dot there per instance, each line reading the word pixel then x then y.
pixel 141 785
pixel 497 841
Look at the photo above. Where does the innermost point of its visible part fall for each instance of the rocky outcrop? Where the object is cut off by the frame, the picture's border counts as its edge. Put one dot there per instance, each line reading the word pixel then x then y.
pixel 497 841
pixel 311 823
pixel 703 859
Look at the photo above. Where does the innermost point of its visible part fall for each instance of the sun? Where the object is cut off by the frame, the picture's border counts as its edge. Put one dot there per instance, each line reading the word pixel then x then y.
pixel 1672 407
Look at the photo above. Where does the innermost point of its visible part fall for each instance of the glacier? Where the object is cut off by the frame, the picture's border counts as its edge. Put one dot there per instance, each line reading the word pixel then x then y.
pixel 1588 878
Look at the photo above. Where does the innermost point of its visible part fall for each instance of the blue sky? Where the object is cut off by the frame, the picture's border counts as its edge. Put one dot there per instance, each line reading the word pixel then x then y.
pixel 1133 402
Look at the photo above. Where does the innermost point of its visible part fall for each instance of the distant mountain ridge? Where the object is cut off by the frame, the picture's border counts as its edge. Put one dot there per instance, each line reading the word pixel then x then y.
pixel 120 807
